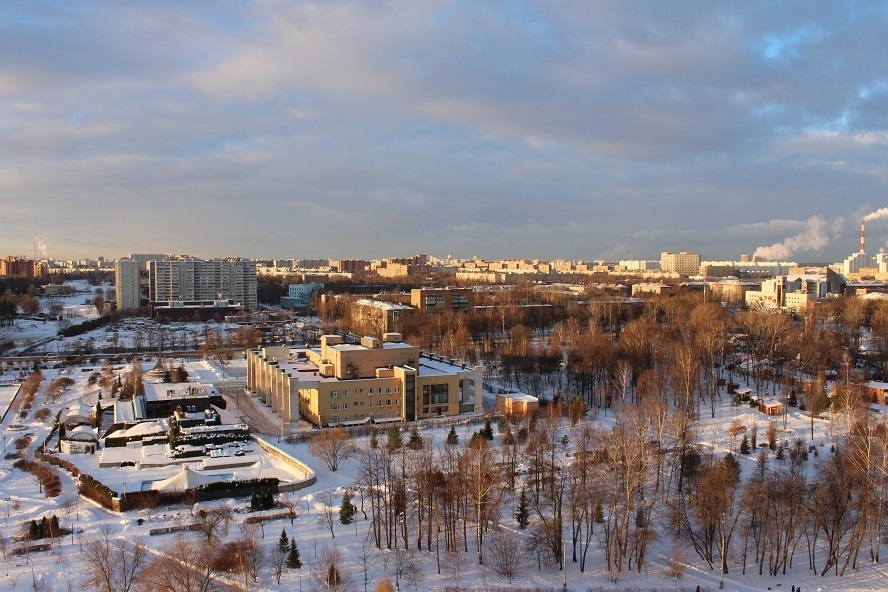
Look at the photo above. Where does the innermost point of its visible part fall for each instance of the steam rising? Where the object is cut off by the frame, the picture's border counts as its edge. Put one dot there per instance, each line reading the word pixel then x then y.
pixel 40 247
pixel 818 233
pixel 880 213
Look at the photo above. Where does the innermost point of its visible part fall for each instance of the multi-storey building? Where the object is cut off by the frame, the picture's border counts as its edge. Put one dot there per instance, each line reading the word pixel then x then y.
pixel 795 292
pixel 196 280
pixel 126 278
pixel 379 316
pixel 684 263
pixel 142 259
pixel 376 380
pixel 299 295
pixel 441 299
pixel 16 267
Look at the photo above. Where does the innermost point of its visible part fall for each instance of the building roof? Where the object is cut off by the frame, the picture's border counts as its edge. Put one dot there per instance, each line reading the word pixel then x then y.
pixel 382 304
pixel 185 479
pixel 520 397
pixel 82 433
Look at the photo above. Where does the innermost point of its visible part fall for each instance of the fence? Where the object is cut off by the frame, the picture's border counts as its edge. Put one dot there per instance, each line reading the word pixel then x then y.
pixel 276 452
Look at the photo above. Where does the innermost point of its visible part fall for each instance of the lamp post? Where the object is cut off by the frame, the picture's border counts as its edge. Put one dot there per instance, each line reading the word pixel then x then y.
pixel 7 509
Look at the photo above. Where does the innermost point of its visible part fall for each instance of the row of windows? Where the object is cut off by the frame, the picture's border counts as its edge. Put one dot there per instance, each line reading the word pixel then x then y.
pixel 338 418
pixel 388 403
pixel 370 391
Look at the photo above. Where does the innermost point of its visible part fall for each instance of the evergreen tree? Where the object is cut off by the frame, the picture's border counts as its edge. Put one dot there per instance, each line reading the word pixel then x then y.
pixel 452 436
pixel 33 531
pixel 347 509
pixel 53 526
pixel 394 439
pixel 523 514
pixel 598 514
pixel 415 442
pixel 374 440
pixel 487 431
pixel 284 541
pixel 744 445
pixel 293 561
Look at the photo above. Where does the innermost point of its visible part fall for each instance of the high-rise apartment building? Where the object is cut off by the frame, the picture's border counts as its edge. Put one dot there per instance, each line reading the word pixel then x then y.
pixel 196 280
pixel 16 267
pixel 684 263
pixel 126 278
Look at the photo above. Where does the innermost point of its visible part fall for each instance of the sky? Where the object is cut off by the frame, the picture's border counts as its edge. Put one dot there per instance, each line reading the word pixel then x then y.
pixel 500 129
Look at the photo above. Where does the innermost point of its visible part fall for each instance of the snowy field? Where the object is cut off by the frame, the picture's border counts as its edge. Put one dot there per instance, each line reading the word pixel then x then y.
pixel 63 569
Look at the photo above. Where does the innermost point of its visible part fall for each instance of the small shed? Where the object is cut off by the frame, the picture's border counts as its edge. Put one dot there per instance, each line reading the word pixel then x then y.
pixel 771 407
pixel 516 403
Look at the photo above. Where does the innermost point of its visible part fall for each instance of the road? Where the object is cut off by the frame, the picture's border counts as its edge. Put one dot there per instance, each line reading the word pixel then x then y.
pixel 251 410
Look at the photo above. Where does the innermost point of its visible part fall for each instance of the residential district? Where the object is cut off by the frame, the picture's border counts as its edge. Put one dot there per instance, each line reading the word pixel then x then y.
pixel 175 423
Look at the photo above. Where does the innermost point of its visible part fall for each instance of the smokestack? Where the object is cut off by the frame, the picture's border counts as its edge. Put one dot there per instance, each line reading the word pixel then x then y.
pixel 863 236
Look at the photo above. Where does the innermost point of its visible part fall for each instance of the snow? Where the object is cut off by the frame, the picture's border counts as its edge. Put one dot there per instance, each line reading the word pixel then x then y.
pixel 21 498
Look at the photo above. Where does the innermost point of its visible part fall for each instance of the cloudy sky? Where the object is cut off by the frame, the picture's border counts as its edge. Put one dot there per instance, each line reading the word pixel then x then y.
pixel 380 128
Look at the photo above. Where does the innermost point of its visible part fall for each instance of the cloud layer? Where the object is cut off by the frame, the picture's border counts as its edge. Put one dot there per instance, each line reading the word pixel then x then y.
pixel 364 129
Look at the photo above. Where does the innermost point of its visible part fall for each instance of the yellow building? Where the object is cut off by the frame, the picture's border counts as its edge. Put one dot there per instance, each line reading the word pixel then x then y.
pixel 377 380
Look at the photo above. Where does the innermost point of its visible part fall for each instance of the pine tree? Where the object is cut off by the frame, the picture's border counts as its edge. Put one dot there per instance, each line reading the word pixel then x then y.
pixel 347 509
pixel 744 445
pixel 487 431
pixel 33 531
pixel 523 514
pixel 452 436
pixel 415 442
pixel 293 561
pixel 394 439
pixel 284 541
pixel 598 514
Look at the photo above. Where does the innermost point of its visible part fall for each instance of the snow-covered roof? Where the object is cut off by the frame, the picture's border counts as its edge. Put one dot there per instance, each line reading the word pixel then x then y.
pixel 78 410
pixel 522 397
pixel 771 403
pixel 185 479
pixel 382 304
pixel 83 433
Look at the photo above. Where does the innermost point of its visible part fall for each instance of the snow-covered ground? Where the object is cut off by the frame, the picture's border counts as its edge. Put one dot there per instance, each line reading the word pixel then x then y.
pixel 63 568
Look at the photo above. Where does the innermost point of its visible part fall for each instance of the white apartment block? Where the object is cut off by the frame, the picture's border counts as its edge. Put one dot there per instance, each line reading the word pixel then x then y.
pixel 126 278
pixel 684 263
pixel 196 280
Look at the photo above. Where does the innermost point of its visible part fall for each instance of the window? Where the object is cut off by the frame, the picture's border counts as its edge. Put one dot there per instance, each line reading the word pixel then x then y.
pixel 435 394
pixel 388 402
pixel 334 406
pixel 345 393
pixel 345 405
pixel 334 394
pixel 334 419
pixel 397 389
pixel 388 390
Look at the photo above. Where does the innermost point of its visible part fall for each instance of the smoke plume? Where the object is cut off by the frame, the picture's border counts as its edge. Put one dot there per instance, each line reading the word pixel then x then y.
pixel 40 247
pixel 818 233
pixel 880 213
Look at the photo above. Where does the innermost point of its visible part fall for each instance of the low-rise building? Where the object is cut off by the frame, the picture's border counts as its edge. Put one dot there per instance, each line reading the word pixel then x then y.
pixel 441 299
pixel 378 380
pixel 516 403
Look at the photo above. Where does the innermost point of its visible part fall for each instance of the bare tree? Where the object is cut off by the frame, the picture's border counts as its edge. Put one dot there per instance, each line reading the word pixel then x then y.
pixel 113 565
pixel 330 573
pixel 332 446
pixel 183 566
pixel 506 553
pixel 329 513
pixel 213 523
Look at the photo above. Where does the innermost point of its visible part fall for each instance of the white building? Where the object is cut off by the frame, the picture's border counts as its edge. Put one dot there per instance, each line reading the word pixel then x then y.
pixel 126 277
pixel 197 280
pixel 684 263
